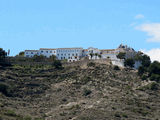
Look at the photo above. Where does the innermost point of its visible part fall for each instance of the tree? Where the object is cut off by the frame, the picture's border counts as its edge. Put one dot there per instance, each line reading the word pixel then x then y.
pixel 129 62
pixel 57 64
pixel 39 58
pixel 52 58
pixel 3 55
pixel 121 55
pixel 146 61
pixel 96 54
pixel 21 54
pixel 141 70
pixel 100 56
pixel 154 68
pixel 91 54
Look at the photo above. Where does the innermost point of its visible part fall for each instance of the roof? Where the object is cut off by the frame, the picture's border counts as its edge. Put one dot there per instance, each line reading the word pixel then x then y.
pixel 47 49
pixel 31 50
pixel 71 48
pixel 103 50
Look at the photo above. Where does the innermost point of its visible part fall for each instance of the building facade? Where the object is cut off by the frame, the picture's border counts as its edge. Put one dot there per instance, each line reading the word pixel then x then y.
pixel 75 54
pixel 69 54
pixel 31 53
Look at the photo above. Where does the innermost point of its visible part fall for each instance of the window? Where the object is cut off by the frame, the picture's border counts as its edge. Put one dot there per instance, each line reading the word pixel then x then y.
pixel 46 51
pixel 64 54
pixel 68 54
pixel 50 51
pixel 41 51
pixel 61 58
pixel 72 54
pixel 61 54
pixel 58 54
pixel 31 52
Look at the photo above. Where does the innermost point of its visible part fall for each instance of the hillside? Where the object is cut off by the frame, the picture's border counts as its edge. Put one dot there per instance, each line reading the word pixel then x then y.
pixel 88 92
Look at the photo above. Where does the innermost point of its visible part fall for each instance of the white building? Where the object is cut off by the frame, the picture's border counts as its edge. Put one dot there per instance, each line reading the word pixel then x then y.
pixel 75 54
pixel 93 53
pixel 70 54
pixel 109 54
pixel 31 53
pixel 47 52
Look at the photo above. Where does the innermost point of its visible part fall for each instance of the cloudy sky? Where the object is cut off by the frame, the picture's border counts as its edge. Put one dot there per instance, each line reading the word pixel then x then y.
pixel 34 24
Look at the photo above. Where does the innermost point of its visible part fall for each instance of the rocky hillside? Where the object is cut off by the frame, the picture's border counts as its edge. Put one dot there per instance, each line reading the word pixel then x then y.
pixel 89 92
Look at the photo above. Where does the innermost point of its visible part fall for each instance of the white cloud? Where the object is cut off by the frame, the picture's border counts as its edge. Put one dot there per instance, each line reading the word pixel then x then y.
pixel 139 16
pixel 152 30
pixel 153 53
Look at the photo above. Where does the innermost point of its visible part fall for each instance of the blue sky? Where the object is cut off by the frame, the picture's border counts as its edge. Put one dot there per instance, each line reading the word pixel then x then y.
pixel 34 24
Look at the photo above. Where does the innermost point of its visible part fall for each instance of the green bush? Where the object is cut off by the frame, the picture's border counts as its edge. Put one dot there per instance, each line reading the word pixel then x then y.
pixel 86 92
pixel 10 113
pixel 91 64
pixel 154 86
pixel 116 68
pixel 129 62
pixel 151 86
pixel 141 70
pixel 4 89
pixel 57 64
pixel 155 77
pixel 121 55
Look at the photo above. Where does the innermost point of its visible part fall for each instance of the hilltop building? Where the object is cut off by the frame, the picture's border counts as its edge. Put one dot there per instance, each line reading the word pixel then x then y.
pixel 75 54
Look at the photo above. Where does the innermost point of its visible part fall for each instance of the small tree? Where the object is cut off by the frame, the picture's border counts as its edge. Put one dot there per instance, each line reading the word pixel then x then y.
pixel 3 55
pixel 121 55
pixel 57 64
pixel 91 54
pixel 96 54
pixel 146 61
pixel 4 89
pixel 52 58
pixel 129 62
pixel 21 54
pixel 100 56
pixel 39 58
